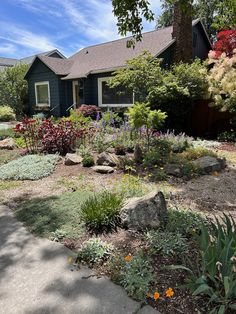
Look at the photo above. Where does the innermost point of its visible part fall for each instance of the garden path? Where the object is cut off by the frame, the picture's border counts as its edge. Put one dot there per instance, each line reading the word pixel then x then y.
pixel 36 277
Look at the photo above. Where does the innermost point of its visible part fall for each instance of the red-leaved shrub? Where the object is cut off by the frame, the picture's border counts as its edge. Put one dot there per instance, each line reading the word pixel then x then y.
pixel 89 110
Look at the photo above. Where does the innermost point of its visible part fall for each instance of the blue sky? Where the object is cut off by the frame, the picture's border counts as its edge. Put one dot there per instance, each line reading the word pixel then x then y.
pixel 28 27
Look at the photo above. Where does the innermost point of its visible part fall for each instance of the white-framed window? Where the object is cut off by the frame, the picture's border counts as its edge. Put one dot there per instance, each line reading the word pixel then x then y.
pixel 113 97
pixel 42 94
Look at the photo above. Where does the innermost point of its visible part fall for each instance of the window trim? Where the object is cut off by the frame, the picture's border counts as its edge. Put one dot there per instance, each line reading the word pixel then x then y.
pixel 100 104
pixel 36 94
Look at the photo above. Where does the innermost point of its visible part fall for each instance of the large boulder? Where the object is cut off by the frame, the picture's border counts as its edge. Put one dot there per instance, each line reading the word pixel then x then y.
pixel 8 143
pixel 103 169
pixel 72 159
pixel 107 159
pixel 208 164
pixel 147 212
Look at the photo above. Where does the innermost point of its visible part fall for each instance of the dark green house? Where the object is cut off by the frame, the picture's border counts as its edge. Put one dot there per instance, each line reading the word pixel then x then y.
pixel 56 85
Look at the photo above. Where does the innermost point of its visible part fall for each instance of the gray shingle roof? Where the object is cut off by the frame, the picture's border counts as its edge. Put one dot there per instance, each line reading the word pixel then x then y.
pixel 7 61
pixel 114 54
pixel 57 65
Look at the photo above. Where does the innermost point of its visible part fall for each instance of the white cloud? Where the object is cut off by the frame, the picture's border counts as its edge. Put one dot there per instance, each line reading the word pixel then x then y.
pixel 27 39
pixel 8 49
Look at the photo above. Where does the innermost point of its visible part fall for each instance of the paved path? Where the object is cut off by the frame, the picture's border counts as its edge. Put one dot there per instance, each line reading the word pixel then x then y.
pixel 36 278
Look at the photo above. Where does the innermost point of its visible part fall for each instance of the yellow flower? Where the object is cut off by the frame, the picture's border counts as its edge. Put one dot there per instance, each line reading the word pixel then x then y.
pixel 169 293
pixel 128 258
pixel 70 260
pixel 156 296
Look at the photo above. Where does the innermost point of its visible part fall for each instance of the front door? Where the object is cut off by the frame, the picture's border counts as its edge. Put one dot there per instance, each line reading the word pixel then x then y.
pixel 78 92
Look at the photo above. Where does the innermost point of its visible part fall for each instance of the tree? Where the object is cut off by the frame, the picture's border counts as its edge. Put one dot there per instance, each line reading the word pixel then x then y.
pixel 226 43
pixel 14 88
pixel 222 81
pixel 215 14
pixel 164 89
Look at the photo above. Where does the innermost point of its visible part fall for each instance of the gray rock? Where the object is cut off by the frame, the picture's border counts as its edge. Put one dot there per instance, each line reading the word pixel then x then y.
pixel 173 169
pixel 209 164
pixel 8 143
pixel 103 169
pixel 107 159
pixel 145 212
pixel 72 159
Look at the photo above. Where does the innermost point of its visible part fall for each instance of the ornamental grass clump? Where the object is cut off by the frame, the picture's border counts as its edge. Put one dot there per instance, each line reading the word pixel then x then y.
pixel 101 211
pixel 94 251
pixel 30 167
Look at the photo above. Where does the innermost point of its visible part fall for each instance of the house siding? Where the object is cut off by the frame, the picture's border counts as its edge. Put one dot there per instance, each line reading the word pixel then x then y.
pixel 60 91
pixel 201 46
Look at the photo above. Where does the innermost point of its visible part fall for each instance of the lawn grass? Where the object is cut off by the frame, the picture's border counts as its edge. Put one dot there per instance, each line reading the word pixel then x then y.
pixel 60 214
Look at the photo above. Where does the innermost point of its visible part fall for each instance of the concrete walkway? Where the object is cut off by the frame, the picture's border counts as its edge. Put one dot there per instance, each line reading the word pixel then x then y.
pixel 35 278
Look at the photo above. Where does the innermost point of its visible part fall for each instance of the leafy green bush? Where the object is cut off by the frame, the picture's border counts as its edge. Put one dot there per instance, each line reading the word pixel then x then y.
pixel 88 160
pixel 7 114
pixel 158 174
pixel 136 277
pixel 102 210
pixel 30 167
pixel 217 276
pixel 94 251
pixel 185 222
pixel 159 153
pixel 166 243
pixel 228 136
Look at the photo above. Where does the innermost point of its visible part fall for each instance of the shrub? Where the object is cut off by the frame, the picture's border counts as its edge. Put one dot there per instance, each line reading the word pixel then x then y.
pixel 20 142
pixel 159 153
pixel 31 167
pixel 166 243
pixel 77 117
pixel 185 222
pixel 217 276
pixel 179 142
pixel 136 276
pixel 94 251
pixel 101 211
pixel 88 160
pixel 89 111
pixel 7 114
pixel 228 136
pixel 158 174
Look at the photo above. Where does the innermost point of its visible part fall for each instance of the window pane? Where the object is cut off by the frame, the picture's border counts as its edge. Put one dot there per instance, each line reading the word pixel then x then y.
pixel 113 96
pixel 42 94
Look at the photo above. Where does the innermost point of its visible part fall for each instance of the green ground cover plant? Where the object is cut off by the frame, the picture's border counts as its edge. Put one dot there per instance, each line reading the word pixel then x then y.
pixel 8 185
pixel 101 211
pixel 166 243
pixel 185 222
pixel 94 251
pixel 30 167
pixel 55 215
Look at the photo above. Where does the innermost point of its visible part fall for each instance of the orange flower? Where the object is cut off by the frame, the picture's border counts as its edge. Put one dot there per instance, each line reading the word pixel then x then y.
pixel 156 296
pixel 128 258
pixel 169 293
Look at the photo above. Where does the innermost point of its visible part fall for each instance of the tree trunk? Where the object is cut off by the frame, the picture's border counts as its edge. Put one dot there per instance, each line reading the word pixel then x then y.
pixel 182 33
